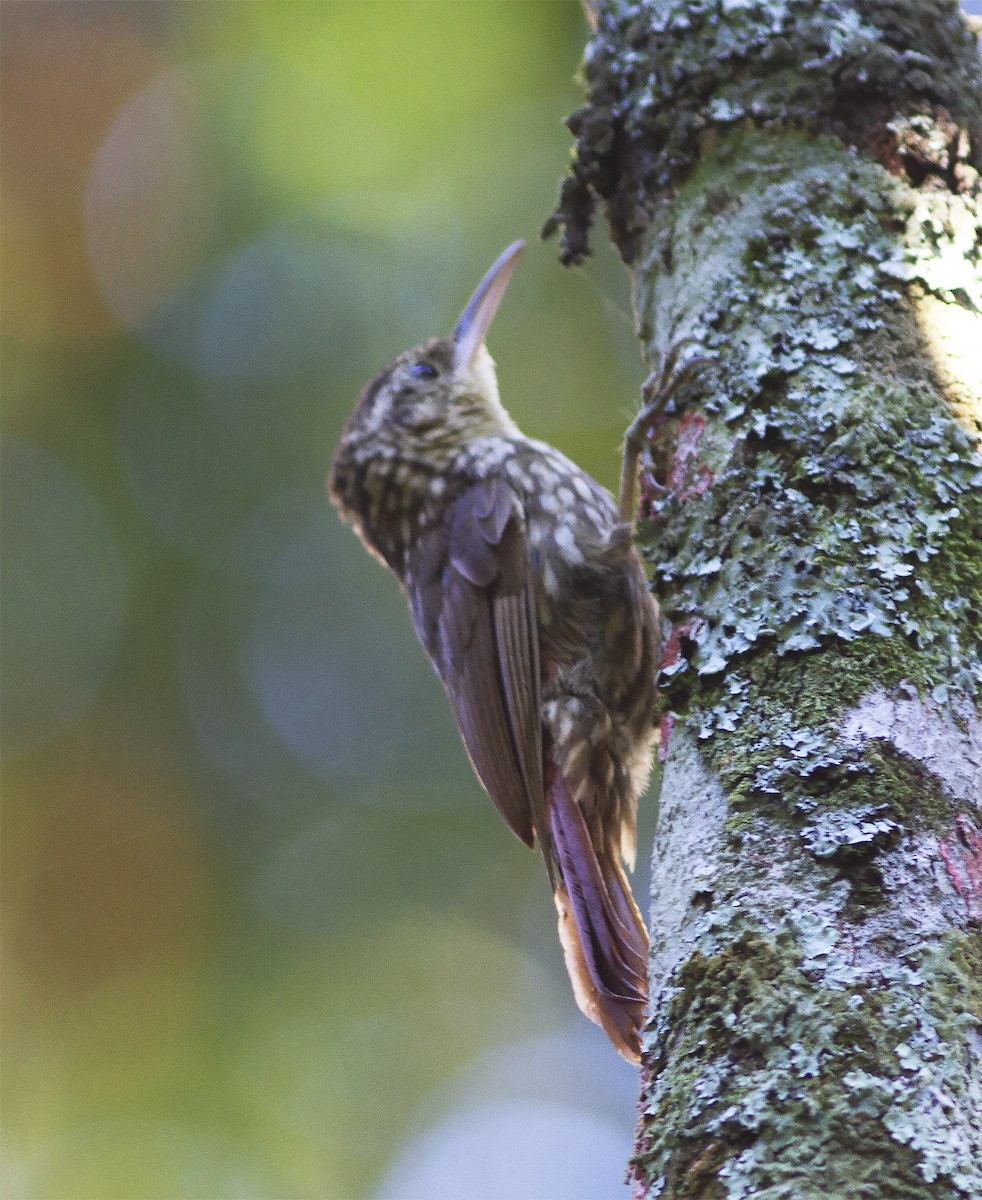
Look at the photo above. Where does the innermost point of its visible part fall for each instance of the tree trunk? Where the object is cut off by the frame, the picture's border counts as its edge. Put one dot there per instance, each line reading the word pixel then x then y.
pixel 794 185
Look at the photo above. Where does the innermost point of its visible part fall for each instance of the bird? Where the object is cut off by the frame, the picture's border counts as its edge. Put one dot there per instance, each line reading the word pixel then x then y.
pixel 527 592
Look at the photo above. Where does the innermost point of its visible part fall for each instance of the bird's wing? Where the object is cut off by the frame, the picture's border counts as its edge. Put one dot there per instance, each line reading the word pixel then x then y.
pixel 471 594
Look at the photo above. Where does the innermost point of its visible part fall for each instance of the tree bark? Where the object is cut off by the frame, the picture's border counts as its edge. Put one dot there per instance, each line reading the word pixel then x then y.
pixel 794 185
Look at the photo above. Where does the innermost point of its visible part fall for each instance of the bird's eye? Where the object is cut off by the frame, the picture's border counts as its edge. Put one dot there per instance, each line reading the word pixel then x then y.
pixel 423 370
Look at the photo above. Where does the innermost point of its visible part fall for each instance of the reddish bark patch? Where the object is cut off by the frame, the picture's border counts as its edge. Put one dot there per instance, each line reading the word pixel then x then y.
pixel 666 725
pixel 688 477
pixel 962 857
pixel 650 492
pixel 672 653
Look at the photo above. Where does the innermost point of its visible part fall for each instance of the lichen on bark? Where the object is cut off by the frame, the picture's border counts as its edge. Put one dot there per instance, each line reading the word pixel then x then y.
pixel 837 472
pixel 795 187
pixel 798 1048
pixel 896 78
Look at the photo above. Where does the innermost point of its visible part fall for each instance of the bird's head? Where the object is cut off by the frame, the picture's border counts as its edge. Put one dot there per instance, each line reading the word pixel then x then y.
pixel 442 394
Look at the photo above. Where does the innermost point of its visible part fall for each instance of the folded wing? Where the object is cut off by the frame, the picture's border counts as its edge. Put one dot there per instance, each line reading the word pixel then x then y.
pixel 471 592
pixel 473 605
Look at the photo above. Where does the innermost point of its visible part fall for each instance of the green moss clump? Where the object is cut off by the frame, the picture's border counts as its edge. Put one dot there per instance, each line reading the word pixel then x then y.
pixel 957 982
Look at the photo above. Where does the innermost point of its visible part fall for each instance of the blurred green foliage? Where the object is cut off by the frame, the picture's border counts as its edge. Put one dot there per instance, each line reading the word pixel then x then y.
pixel 261 927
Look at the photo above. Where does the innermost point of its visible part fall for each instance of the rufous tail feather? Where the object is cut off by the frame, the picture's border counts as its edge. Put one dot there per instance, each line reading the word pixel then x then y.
pixel 604 939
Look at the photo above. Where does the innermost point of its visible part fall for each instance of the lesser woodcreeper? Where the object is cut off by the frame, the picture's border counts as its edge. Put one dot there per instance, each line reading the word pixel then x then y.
pixel 529 597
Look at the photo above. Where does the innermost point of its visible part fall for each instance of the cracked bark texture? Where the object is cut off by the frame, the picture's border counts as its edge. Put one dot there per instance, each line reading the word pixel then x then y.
pixel 794 184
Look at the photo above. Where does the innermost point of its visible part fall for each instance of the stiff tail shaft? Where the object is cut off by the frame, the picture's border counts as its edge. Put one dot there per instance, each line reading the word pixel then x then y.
pixel 604 939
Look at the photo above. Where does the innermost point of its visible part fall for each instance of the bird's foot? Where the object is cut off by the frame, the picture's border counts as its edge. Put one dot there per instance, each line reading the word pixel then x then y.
pixel 662 384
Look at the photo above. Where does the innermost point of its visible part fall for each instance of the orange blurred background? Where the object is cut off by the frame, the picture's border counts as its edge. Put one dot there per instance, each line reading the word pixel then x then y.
pixel 263 935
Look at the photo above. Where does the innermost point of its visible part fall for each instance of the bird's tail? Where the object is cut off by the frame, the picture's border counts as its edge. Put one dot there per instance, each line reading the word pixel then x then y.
pixel 604 939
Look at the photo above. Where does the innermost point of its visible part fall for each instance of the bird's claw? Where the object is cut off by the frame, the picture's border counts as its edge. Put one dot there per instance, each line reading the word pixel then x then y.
pixel 657 390
pixel 671 375
pixel 661 385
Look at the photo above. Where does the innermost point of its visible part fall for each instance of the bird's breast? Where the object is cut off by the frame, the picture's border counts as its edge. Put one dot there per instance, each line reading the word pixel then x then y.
pixel 385 495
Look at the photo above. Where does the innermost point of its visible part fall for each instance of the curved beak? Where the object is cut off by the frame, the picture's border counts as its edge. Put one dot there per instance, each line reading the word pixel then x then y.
pixel 475 320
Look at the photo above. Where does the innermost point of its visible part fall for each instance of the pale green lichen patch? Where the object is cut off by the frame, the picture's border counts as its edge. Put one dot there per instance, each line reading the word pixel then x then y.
pixel 793 1069
pixel 814 534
